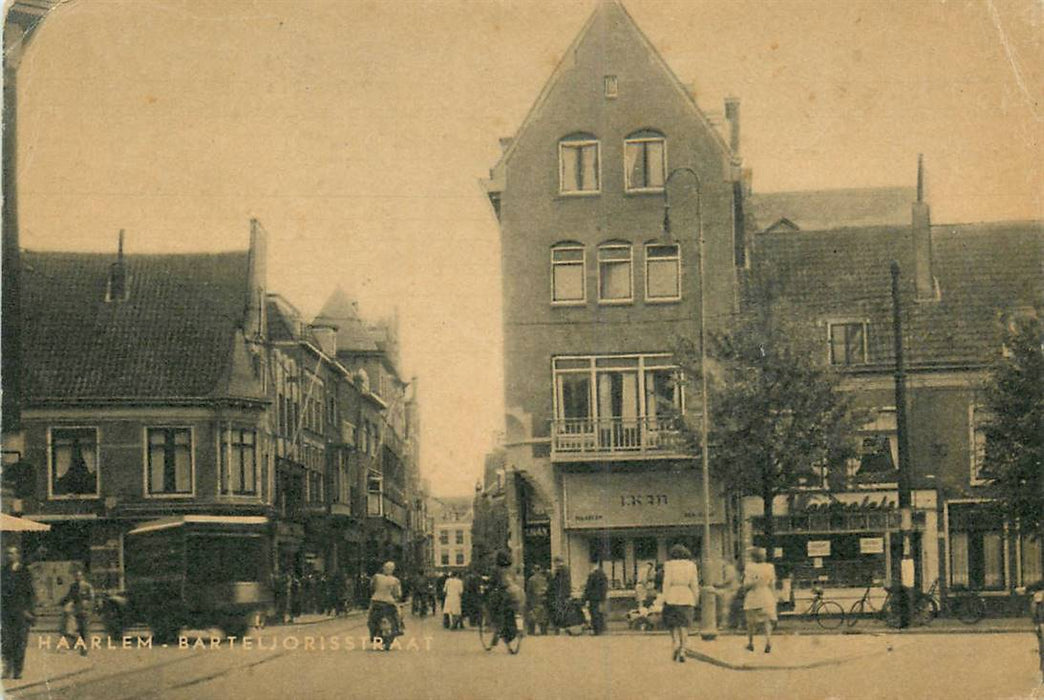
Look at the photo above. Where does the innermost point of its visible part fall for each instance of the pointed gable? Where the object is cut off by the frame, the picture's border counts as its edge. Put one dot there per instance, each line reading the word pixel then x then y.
pixel 342 312
pixel 609 64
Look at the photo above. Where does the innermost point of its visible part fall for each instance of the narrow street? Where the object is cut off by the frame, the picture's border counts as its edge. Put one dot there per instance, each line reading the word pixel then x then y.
pixel 301 661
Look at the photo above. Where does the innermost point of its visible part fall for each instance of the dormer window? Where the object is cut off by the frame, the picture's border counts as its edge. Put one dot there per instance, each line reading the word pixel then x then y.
pixel 848 343
pixel 579 163
pixel 645 161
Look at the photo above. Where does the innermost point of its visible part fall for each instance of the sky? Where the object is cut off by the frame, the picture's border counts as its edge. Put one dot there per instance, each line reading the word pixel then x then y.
pixel 357 133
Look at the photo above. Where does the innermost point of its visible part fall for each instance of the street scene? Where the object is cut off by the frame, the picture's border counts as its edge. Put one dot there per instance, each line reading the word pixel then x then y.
pixel 578 349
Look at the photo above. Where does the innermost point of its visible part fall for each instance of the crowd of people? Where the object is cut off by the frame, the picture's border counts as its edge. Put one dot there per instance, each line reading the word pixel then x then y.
pixel 312 593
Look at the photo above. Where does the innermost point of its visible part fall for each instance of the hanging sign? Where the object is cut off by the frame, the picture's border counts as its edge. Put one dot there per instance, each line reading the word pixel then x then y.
pixel 871 545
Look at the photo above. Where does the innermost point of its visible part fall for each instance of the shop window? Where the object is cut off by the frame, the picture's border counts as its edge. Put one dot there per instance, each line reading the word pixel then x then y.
pixel 614 273
pixel 579 167
pixel 568 274
pixel 169 461
pixel 976 547
pixel 662 272
pixel 645 551
pixel 73 462
pixel 848 343
pixel 608 553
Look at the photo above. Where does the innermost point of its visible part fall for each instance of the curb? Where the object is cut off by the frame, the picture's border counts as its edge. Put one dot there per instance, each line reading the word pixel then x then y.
pixel 836 661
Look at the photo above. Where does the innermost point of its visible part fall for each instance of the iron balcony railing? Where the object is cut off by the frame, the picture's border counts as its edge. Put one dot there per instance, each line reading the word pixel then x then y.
pixel 573 438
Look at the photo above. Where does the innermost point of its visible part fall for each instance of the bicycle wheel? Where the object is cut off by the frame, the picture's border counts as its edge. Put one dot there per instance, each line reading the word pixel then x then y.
pixel 857 610
pixel 487 629
pixel 830 615
pixel 969 609
pixel 514 640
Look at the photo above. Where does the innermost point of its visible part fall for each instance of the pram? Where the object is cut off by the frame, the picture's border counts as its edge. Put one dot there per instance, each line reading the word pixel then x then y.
pixel 647 617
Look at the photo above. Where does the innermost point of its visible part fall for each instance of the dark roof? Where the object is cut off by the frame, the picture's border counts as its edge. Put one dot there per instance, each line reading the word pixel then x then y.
pixel 823 210
pixel 352 334
pixel 171 338
pixel 983 271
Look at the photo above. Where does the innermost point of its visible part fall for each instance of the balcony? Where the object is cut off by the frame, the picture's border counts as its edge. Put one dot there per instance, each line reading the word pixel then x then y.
pixel 583 439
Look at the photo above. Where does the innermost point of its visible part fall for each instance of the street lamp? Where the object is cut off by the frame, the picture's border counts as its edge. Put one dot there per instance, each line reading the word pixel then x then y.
pixel 708 600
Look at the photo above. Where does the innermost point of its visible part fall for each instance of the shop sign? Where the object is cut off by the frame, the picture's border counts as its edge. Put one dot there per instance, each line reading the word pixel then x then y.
pixel 819 548
pixel 844 502
pixel 640 499
pixel 538 531
pixel 871 545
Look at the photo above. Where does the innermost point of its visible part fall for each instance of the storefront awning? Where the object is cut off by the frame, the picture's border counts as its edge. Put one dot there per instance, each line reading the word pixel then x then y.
pixel 11 523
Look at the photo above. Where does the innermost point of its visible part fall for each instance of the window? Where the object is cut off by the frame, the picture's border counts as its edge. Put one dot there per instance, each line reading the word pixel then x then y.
pixel 460 558
pixel 578 158
pixel 169 461
pixel 374 491
pixel 645 161
pixel 315 487
pixel 614 272
pixel 1030 550
pixel 239 461
pixel 976 547
pixel 608 554
pixel 848 343
pixel 73 462
pixel 611 86
pixel 662 272
pixel 460 537
pixel 444 537
pixel 978 448
pixel 878 451
pixel 445 558
pixel 568 274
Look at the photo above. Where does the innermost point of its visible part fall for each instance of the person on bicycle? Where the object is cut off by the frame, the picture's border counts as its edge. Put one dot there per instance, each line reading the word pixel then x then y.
pixel 506 598
pixel 385 596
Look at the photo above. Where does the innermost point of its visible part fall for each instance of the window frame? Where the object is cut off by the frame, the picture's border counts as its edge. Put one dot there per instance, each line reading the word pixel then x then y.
pixel 616 245
pixel 147 491
pixel 577 142
pixel 677 267
pixel 869 429
pixel 845 323
pixel 644 136
pixel 644 364
pixel 977 445
pixel 569 246
pixel 224 480
pixel 51 496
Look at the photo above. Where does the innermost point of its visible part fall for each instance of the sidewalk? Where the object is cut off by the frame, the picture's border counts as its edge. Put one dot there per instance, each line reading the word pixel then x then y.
pixel 793 651
pixel 790 625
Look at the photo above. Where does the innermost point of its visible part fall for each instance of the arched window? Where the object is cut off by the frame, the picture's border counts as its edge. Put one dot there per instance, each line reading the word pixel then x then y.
pixel 579 164
pixel 568 273
pixel 645 160
pixel 615 277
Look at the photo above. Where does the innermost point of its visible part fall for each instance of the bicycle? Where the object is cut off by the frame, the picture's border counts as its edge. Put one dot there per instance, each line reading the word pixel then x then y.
pixel 827 614
pixel 863 606
pixel 497 620
pixel 966 606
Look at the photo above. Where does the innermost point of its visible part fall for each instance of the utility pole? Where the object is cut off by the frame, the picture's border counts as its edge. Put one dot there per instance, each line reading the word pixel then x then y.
pixel 910 557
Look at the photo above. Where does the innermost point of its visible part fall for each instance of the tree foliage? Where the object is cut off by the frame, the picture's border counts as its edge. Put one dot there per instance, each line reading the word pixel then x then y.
pixel 1014 398
pixel 778 418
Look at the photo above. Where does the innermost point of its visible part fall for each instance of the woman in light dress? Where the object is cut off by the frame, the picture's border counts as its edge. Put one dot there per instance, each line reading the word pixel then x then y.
pixel 759 603
pixel 452 606
pixel 681 590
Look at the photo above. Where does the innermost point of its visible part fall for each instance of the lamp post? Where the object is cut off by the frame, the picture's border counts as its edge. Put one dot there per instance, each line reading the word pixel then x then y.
pixel 708 598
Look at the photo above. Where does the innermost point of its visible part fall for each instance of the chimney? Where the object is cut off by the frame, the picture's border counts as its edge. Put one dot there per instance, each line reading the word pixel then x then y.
pixel 732 116
pixel 921 227
pixel 255 325
pixel 118 275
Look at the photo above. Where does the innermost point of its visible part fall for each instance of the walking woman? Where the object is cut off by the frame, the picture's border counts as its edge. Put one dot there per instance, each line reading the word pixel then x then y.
pixel 759 603
pixel 681 590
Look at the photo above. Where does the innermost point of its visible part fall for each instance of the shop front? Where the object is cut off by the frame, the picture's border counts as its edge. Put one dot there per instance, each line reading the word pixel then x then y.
pixel 844 542
pixel 625 522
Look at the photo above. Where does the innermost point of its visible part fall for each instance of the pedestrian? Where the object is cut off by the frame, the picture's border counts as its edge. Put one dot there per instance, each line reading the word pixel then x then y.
pixel 596 593
pixel 536 596
pixel 440 590
pixel 451 609
pixel 645 587
pixel 559 594
pixel 471 602
pixel 77 603
pixel 726 590
pixel 681 590
pixel 17 603
pixel 759 602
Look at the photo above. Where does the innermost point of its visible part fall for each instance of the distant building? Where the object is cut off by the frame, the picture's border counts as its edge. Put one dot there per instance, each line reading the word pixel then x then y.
pixel 451 545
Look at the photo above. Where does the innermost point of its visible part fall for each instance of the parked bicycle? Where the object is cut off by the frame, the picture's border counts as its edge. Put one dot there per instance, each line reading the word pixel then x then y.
pixel 864 607
pixel 967 606
pixel 827 614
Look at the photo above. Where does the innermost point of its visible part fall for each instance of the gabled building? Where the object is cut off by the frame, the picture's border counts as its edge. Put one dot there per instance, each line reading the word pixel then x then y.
pixel 595 294
pixel 595 291
pixel 143 397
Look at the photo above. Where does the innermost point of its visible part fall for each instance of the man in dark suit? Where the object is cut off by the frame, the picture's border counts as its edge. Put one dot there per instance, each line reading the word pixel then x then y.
pixel 16 606
pixel 78 603
pixel 558 594
pixel 596 593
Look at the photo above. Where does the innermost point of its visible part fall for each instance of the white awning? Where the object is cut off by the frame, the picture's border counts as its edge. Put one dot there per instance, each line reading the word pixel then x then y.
pixel 11 523
pixel 180 520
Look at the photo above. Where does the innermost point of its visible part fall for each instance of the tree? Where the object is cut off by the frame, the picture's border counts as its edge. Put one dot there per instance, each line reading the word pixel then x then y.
pixel 778 418
pixel 1014 398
